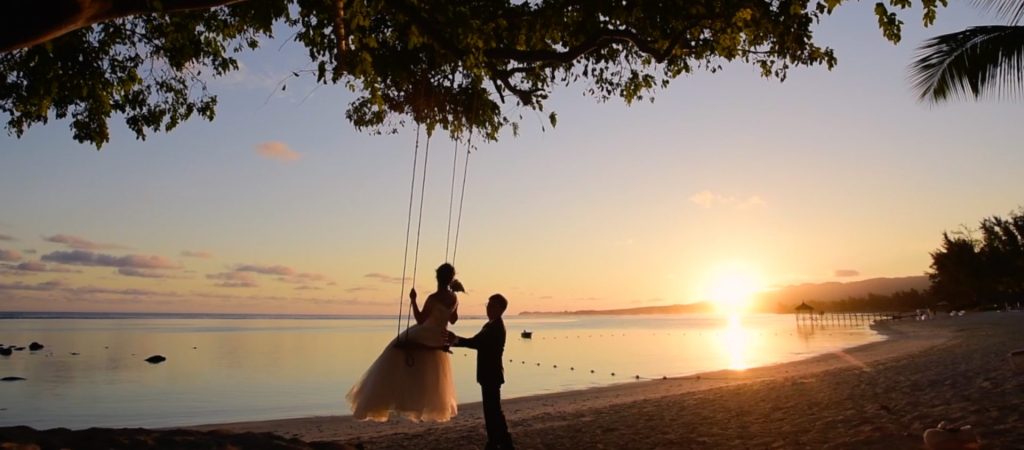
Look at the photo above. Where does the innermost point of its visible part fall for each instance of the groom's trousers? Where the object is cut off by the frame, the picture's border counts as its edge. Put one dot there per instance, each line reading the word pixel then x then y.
pixel 498 436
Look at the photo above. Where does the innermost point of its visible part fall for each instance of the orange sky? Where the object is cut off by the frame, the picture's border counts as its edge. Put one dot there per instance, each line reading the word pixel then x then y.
pixel 279 205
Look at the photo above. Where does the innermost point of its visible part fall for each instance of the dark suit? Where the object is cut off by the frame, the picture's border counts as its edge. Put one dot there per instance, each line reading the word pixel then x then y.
pixel 490 346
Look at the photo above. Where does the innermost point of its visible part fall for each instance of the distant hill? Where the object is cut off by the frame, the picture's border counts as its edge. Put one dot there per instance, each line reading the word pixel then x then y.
pixel 832 291
pixel 779 300
pixel 690 308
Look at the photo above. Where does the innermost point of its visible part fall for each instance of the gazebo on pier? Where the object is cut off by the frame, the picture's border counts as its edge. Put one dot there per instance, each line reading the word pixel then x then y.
pixel 804 312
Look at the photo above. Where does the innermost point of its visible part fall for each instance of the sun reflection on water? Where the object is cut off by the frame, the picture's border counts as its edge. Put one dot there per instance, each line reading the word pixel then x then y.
pixel 735 343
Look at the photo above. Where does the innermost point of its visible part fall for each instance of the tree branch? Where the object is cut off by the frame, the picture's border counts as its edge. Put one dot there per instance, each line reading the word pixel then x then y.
pixel 339 35
pixel 27 23
pixel 595 42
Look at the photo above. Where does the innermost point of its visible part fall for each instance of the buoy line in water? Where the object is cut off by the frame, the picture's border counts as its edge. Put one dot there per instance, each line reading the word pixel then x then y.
pixel 636 377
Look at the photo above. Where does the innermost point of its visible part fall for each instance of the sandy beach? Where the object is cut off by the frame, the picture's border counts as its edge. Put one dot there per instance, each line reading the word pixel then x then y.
pixel 882 395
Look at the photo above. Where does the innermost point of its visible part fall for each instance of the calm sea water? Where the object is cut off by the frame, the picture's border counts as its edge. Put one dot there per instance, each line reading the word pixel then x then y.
pixel 234 368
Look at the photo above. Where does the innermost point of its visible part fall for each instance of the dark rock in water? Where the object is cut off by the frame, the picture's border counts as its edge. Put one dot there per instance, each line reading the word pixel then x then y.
pixel 74 353
pixel 18 349
pixel 35 346
pixel 5 351
pixel 12 379
pixel 156 359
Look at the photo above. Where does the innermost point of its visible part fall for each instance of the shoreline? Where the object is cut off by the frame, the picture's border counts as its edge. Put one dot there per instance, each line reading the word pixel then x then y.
pixel 880 395
pixel 897 343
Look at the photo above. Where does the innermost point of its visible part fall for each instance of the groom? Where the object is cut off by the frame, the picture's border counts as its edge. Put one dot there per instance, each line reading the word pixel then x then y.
pixel 490 345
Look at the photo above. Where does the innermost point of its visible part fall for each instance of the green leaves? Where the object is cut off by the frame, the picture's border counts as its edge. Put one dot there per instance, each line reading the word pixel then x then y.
pixel 468 66
pixel 147 69
pixel 890 25
pixel 970 272
pixel 968 63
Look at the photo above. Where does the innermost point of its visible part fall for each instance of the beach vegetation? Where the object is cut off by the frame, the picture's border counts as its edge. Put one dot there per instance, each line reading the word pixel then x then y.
pixel 983 266
pixel 974 268
pixel 907 300
pixel 468 66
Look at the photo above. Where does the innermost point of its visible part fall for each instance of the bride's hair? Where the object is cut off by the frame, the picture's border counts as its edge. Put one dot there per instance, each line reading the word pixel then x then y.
pixel 456 286
pixel 445 274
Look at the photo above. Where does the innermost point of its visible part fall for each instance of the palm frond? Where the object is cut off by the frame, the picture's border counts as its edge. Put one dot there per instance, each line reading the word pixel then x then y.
pixel 970 63
pixel 1010 9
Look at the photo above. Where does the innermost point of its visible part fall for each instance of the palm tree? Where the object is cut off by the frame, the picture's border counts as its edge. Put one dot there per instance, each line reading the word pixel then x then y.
pixel 975 61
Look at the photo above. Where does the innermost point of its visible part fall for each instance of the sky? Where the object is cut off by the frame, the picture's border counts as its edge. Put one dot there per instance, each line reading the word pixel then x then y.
pixel 281 206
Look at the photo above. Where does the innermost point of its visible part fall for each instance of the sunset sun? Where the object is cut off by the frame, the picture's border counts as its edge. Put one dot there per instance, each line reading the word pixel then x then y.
pixel 731 288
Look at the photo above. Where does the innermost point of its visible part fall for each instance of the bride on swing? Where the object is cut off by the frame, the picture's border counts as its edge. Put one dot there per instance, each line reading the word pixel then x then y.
pixel 413 375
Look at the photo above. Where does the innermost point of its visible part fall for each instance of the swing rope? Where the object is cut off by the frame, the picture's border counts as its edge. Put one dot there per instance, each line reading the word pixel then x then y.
pixel 408 228
pixel 419 225
pixel 451 201
pixel 400 339
pixel 462 196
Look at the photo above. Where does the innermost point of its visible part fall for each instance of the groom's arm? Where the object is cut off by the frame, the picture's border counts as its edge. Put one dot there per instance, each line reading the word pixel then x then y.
pixel 481 338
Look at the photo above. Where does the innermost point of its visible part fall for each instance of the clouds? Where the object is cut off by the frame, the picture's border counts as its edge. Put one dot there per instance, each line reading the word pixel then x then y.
pixel 359 289
pixel 246 78
pixel 266 270
pixel 79 243
pixel 32 266
pixel 278 151
pixel 231 276
pixel 707 199
pixel 63 286
pixel 233 279
pixel 110 291
pixel 132 265
pixel 244 275
pixel 846 273
pixel 303 278
pixel 10 255
pixel 87 258
pixel 384 278
pixel 45 286
pixel 36 266
pixel 60 295
pixel 139 273
pixel 237 284
pixel 101 278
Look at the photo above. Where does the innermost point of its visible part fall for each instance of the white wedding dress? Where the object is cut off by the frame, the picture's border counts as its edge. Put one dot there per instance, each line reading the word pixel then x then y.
pixel 412 381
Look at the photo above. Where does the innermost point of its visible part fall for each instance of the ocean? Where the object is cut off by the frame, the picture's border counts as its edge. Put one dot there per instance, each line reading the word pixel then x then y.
pixel 226 368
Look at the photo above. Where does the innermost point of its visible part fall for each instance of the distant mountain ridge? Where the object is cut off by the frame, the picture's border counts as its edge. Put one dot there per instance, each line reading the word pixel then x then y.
pixel 834 290
pixel 778 300
pixel 689 308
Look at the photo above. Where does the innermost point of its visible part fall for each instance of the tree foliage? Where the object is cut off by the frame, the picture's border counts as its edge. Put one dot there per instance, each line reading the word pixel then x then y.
pixel 969 272
pixel 461 66
pixel 972 62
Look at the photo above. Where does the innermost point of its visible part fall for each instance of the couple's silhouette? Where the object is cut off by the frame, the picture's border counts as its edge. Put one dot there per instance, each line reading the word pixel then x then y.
pixel 413 375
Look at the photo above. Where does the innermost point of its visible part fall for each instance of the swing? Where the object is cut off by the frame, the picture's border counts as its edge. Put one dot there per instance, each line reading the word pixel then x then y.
pixel 401 340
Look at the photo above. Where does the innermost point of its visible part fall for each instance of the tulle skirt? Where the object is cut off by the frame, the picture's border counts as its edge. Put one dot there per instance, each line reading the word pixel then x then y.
pixel 415 383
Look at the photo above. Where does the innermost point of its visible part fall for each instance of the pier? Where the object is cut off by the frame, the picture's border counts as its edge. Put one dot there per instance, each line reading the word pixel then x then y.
pixel 806 315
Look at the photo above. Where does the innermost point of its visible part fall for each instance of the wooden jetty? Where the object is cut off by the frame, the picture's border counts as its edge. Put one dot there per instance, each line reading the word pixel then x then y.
pixel 806 315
